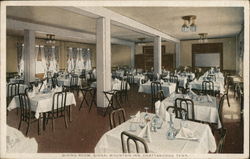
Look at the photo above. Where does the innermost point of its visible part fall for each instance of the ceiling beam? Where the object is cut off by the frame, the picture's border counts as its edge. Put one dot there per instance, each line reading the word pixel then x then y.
pixel 85 37
pixel 120 20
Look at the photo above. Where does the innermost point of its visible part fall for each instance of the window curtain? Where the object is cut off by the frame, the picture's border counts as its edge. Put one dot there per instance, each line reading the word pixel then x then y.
pixel 51 54
pixel 40 60
pixel 20 59
pixel 78 59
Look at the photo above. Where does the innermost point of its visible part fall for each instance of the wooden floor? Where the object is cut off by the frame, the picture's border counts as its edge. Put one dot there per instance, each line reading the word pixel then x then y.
pixel 87 128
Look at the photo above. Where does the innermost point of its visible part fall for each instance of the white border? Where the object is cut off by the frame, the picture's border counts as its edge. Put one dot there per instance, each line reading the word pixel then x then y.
pixel 240 3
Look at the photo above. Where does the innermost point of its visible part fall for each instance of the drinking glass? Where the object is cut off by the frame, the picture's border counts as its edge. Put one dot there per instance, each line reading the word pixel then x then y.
pixel 133 126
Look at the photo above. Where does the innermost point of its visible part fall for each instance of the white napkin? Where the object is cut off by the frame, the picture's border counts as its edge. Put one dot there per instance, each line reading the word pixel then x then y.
pixel 148 81
pixel 57 89
pixel 161 81
pixel 137 117
pixel 146 132
pixel 209 99
pixel 185 133
pixel 31 94
pixel 160 110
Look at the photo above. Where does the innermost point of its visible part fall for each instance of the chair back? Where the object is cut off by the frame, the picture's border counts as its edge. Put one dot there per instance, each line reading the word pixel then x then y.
pixel 54 82
pixel 178 111
pixel 186 104
pixel 24 106
pixel 59 103
pixel 116 117
pixel 38 83
pixel 135 139
pixel 124 85
pixel 74 80
pixel 13 89
pixel 221 143
pixel 208 88
pixel 155 88
pixel 173 79
pixel 130 78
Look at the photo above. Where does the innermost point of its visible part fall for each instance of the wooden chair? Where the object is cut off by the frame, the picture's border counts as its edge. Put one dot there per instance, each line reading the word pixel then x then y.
pixel 186 104
pixel 117 114
pixel 130 79
pixel 155 89
pixel 221 143
pixel 27 115
pixel 208 88
pixel 135 139
pixel 54 82
pixel 178 111
pixel 58 108
pixel 123 92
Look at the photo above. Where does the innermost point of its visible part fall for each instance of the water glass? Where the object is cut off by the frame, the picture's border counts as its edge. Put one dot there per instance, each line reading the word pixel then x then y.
pixel 133 125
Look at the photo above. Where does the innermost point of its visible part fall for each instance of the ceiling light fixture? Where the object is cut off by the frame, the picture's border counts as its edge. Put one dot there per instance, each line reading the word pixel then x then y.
pixel 50 39
pixel 189 23
pixel 203 38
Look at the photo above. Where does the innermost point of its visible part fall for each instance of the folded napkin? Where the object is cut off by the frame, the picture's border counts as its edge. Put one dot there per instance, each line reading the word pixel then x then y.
pixel 136 117
pixel 145 132
pixel 160 110
pixel 185 133
pixel 31 94
pixel 57 89
pixel 148 81
pixel 209 99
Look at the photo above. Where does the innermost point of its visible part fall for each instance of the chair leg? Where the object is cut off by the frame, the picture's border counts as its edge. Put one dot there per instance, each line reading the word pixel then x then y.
pixel 53 127
pixel 228 101
pixel 20 123
pixel 38 125
pixel 65 120
pixel 28 127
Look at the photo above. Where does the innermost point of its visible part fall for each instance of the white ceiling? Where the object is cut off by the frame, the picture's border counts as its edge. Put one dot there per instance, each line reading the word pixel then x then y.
pixel 217 22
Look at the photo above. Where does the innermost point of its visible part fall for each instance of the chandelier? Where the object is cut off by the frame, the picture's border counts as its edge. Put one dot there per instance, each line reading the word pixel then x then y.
pixel 189 23
pixel 203 38
pixel 50 39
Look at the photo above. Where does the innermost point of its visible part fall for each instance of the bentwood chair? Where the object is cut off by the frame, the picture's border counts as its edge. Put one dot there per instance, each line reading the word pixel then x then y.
pixel 137 140
pixel 27 115
pixel 58 108
pixel 220 110
pixel 116 117
pixel 226 92
pixel 155 89
pixel 123 92
pixel 179 112
pixel 221 143
pixel 186 104
pixel 211 77
pixel 130 79
pixel 208 88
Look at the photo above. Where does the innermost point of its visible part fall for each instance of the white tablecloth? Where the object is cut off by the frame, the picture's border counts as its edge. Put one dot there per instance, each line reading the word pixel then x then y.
pixel 115 84
pixel 203 109
pixel 42 102
pixel 167 88
pixel 197 84
pixel 16 142
pixel 181 79
pixel 110 142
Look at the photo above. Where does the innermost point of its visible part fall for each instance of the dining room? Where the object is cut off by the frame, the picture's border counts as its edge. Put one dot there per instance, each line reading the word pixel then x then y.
pixel 101 80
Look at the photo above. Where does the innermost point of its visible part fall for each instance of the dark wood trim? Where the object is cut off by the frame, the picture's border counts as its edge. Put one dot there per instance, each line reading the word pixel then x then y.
pixel 207 48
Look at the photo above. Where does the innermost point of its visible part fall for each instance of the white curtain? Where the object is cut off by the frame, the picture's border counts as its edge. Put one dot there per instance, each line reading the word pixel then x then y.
pixel 78 59
pixel 20 60
pixel 51 58
pixel 40 60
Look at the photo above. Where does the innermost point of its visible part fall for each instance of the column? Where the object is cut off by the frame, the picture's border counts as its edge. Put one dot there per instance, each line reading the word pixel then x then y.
pixel 132 51
pixel 157 55
pixel 177 52
pixel 29 56
pixel 103 60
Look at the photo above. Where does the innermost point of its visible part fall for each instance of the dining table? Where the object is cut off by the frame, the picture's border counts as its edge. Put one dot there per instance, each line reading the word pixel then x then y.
pixel 181 79
pixel 41 102
pixel 205 142
pixel 205 107
pixel 62 81
pixel 167 88
pixel 197 85
pixel 137 78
